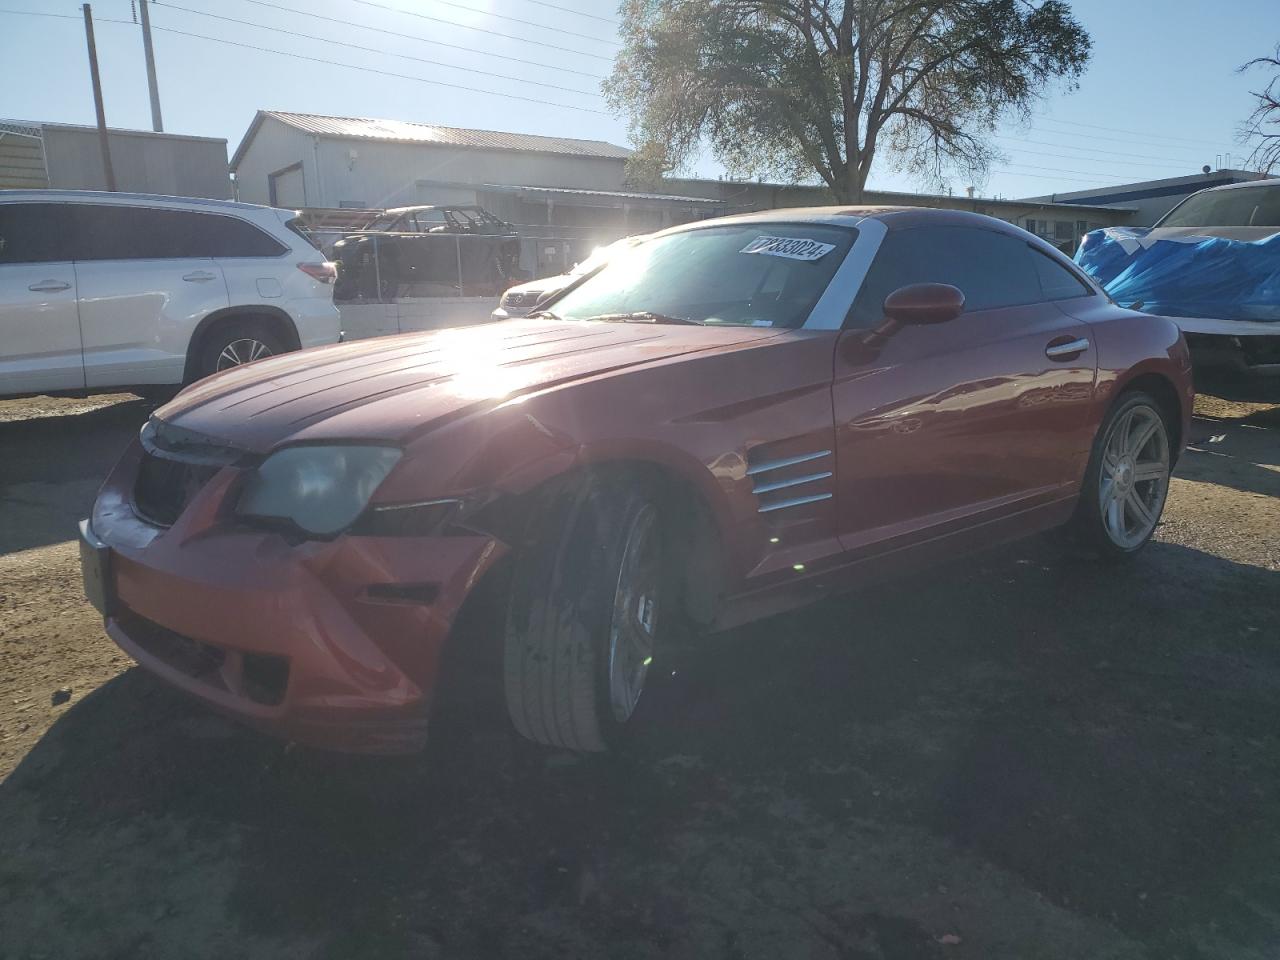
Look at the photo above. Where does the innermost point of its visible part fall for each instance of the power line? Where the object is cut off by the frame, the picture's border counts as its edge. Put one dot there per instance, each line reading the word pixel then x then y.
pixel 1128 141
pixel 525 23
pixel 556 6
pixel 1091 150
pixel 1087 173
pixel 494 33
pixel 1042 176
pixel 65 16
pixel 1060 156
pixel 421 39
pixel 1136 133
pixel 356 46
pixel 384 73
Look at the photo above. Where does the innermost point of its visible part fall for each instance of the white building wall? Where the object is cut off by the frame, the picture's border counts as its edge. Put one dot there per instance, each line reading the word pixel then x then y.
pixel 274 147
pixel 388 174
pixel 143 162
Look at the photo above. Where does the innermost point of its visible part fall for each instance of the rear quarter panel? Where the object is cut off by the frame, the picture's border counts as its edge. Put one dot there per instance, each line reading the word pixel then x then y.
pixel 1131 345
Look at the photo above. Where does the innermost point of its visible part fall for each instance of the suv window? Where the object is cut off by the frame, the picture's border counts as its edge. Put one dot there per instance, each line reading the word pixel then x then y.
pixel 992 269
pixel 111 232
pixel 1056 281
pixel 32 233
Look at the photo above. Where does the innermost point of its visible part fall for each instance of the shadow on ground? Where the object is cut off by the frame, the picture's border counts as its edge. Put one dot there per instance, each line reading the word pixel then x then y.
pixel 1046 759
pixel 1240 451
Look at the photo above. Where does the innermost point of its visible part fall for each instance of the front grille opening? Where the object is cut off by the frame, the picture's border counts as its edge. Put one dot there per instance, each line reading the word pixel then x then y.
pixel 265 678
pixel 164 487
pixel 200 661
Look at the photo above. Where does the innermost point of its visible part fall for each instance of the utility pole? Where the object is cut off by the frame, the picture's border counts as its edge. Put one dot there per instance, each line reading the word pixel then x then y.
pixel 97 99
pixel 157 123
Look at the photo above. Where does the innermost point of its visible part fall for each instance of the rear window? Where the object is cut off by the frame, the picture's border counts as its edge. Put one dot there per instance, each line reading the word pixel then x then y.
pixel 113 232
pixel 1057 282
pixel 298 225
pixel 1237 207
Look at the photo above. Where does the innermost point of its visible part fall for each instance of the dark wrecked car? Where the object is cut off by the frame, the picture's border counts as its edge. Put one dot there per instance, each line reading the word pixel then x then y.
pixel 428 251
pixel 1213 265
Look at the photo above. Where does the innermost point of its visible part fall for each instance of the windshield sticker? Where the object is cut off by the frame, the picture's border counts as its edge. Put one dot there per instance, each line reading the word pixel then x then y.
pixel 792 248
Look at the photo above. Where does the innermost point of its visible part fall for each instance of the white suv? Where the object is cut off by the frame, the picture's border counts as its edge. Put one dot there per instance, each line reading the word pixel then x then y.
pixel 107 290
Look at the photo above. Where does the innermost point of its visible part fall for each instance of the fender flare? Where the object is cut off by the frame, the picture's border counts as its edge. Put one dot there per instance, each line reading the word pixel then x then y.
pixel 279 319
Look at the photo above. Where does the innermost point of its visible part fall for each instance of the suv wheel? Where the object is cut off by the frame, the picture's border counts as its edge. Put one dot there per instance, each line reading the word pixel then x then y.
pixel 235 343
pixel 585 608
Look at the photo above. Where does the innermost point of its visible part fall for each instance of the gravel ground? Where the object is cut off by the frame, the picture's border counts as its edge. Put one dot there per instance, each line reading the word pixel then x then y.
pixel 1047 759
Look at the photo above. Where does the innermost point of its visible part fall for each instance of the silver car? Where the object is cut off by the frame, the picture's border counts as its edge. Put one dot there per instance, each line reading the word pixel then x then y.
pixel 520 301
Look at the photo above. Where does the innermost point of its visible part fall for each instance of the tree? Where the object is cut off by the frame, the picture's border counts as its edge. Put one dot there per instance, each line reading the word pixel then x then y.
pixel 1263 126
pixel 790 88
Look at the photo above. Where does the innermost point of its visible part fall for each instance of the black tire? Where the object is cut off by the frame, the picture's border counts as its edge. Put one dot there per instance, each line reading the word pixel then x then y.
pixel 1091 526
pixel 572 595
pixel 209 358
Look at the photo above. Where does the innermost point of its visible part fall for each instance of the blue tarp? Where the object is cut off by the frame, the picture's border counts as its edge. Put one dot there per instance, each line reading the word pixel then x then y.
pixel 1186 276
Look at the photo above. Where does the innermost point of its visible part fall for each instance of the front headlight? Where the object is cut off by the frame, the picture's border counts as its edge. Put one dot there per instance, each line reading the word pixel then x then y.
pixel 320 489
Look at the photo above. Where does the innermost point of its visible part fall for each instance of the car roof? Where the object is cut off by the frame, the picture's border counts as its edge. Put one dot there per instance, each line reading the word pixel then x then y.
pixel 1268 182
pixel 893 217
pixel 105 196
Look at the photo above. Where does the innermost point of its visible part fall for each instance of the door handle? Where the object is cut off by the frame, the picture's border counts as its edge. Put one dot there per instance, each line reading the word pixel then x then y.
pixel 1063 351
pixel 49 286
pixel 199 276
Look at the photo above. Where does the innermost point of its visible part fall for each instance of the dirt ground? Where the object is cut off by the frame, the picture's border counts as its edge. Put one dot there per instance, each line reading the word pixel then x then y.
pixel 1020 756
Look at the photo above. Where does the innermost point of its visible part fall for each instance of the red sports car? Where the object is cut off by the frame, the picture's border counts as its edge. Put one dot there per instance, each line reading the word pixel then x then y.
pixel 739 416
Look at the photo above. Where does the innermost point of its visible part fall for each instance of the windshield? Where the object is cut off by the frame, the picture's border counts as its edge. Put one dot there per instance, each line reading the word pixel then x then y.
pixel 756 274
pixel 1238 207
pixel 600 256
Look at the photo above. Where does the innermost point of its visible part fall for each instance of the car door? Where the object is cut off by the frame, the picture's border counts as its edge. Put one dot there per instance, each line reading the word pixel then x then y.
pixel 40 346
pixel 146 278
pixel 942 427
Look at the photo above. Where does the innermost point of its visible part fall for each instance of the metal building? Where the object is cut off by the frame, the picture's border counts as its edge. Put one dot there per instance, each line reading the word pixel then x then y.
pixel 309 161
pixel 68 156
pixel 1150 199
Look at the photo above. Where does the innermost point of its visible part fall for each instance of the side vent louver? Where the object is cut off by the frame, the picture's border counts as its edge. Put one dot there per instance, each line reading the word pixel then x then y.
pixel 772 476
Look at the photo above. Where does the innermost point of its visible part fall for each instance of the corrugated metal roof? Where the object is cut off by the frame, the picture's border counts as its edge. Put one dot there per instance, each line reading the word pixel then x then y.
pixel 612 194
pixel 404 131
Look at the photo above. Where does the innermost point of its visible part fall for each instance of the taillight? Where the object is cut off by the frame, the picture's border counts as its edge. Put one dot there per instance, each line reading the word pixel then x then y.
pixel 325 271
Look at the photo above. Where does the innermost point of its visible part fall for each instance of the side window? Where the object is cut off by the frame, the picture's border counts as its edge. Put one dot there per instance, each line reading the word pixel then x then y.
pixel 222 236
pixel 113 232
pixel 32 233
pixel 1056 281
pixel 993 269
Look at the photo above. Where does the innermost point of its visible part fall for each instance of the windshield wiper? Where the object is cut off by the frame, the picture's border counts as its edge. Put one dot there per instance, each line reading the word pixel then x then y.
pixel 540 314
pixel 645 316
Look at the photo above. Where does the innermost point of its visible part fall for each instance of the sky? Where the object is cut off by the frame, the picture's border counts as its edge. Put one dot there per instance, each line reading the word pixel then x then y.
pixel 1160 98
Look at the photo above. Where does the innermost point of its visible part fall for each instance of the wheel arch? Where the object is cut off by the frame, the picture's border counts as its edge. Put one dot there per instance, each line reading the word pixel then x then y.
pixel 1162 389
pixel 694 518
pixel 277 319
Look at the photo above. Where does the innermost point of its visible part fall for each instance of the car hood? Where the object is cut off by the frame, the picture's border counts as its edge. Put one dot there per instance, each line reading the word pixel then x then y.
pixel 1230 273
pixel 542 285
pixel 393 388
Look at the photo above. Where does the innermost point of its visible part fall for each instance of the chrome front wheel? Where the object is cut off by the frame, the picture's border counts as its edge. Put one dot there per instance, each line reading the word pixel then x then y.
pixel 635 614
pixel 1134 476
